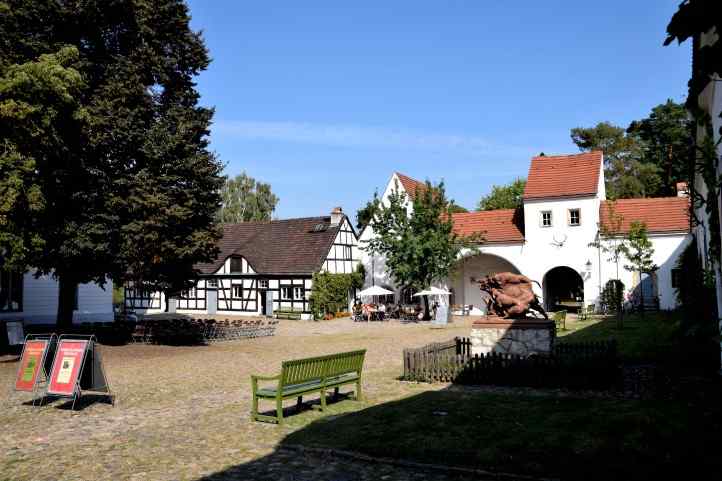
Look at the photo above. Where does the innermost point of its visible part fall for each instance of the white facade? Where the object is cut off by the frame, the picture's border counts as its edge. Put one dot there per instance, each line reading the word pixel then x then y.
pixel 560 249
pixel 38 302
pixel 710 101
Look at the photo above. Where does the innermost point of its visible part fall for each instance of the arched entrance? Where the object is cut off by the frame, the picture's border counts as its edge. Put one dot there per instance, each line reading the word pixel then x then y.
pixel 462 281
pixel 563 289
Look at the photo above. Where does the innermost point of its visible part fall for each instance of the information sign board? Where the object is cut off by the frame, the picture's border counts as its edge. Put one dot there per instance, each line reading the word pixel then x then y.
pixel 31 364
pixel 66 367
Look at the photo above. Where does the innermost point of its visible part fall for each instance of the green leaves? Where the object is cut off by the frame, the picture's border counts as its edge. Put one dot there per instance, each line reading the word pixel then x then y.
pixel 639 250
pixel 244 199
pixel 648 158
pixel 105 165
pixel 417 240
pixel 504 196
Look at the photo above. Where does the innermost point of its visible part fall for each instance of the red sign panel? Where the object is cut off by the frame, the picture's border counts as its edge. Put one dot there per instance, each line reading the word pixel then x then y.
pixel 30 365
pixel 66 367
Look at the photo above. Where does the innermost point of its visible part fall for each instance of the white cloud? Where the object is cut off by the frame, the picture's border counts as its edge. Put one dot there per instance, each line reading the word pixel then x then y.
pixel 362 136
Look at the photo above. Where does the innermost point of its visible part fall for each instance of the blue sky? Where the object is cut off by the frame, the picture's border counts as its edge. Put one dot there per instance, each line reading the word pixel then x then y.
pixel 324 100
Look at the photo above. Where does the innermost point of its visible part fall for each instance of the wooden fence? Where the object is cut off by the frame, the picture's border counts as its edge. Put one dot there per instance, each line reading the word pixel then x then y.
pixel 591 365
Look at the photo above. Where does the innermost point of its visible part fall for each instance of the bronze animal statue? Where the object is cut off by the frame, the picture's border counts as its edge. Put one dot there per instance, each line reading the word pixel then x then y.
pixel 510 295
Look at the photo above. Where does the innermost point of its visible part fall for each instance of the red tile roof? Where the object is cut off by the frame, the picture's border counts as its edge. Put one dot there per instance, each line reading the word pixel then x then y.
pixel 563 175
pixel 504 225
pixel 661 214
pixel 410 185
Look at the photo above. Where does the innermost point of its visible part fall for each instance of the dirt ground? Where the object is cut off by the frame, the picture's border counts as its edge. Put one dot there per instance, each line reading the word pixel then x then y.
pixel 183 412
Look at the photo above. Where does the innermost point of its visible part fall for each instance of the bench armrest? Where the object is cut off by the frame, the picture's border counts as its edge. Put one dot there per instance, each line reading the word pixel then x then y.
pixel 265 378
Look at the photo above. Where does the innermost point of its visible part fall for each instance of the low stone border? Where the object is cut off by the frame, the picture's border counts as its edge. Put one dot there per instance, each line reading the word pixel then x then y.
pixel 456 470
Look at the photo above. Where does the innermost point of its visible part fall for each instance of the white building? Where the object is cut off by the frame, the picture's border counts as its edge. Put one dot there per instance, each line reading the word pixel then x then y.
pixel 549 238
pixel 35 300
pixel 259 261
pixel 710 101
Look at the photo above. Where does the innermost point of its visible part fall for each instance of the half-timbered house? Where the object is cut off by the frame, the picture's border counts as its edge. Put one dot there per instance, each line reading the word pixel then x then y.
pixel 262 266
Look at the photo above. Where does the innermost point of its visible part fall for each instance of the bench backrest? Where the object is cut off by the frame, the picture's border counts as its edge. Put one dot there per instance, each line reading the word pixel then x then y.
pixel 316 368
pixel 345 362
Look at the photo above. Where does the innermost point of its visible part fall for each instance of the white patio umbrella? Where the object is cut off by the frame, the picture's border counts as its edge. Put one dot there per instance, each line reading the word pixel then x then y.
pixel 432 291
pixel 435 291
pixel 374 291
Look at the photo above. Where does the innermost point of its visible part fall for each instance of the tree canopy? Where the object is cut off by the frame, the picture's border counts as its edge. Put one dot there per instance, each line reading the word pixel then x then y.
pixel 507 196
pixel 244 199
pixel 644 159
pixel 419 247
pixel 366 213
pixel 105 141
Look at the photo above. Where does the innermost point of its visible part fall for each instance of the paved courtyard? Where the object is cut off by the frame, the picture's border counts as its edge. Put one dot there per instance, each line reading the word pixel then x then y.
pixel 182 412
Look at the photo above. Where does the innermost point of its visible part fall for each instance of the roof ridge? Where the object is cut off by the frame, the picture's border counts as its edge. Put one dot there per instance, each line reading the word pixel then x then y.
pixel 272 221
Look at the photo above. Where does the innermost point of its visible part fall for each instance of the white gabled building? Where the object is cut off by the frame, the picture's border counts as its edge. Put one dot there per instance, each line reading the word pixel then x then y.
pixel 258 260
pixel 549 238
pixel 34 300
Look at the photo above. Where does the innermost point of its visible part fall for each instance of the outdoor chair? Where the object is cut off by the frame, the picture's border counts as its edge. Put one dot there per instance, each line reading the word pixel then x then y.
pixel 560 320
pixel 586 313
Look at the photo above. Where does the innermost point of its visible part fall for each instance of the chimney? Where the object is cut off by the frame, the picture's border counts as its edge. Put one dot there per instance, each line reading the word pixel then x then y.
pixel 336 216
pixel 682 189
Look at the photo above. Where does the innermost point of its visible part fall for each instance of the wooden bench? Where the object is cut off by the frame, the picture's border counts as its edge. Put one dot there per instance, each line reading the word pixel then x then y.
pixel 281 314
pixel 307 376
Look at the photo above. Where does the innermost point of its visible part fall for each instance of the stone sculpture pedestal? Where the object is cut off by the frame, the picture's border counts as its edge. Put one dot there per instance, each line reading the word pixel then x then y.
pixel 525 336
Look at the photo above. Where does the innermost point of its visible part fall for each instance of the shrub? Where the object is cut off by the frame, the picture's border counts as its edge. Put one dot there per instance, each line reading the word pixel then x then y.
pixel 330 292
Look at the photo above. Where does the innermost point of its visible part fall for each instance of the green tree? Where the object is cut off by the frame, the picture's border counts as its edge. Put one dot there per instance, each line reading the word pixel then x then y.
pixel 36 98
pixel 639 251
pixel 366 213
pixel 626 174
pixel 457 209
pixel 129 187
pixel 245 199
pixel 609 237
pixel 419 247
pixel 666 139
pixel 504 196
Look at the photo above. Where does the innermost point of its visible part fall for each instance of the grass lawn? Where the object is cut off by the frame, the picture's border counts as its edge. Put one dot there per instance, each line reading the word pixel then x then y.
pixel 650 338
pixel 543 435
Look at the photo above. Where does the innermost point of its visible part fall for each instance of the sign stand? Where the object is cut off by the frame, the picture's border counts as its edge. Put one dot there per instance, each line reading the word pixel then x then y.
pixel 78 368
pixel 35 362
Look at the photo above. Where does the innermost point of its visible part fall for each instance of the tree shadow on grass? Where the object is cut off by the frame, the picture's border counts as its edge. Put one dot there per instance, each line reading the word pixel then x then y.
pixel 540 435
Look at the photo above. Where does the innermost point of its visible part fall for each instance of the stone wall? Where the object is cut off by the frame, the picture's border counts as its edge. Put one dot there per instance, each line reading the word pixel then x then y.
pixel 512 336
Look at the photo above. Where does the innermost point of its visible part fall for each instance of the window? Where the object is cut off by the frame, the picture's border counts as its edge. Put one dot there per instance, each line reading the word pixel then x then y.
pixel 676 278
pixel 11 291
pixel 298 293
pixel 238 291
pixel 347 252
pixel 212 282
pixel 263 283
pixel 575 217
pixel 546 218
pixel 287 293
pixel 236 265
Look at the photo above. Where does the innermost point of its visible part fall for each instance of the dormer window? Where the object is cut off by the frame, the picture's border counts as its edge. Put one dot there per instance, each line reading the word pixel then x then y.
pixel 575 217
pixel 546 218
pixel 236 265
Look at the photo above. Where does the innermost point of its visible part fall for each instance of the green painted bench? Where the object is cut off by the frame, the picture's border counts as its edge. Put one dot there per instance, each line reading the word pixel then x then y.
pixel 284 314
pixel 308 376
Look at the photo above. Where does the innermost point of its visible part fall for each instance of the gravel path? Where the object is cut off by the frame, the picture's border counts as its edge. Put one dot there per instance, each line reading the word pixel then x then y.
pixel 182 412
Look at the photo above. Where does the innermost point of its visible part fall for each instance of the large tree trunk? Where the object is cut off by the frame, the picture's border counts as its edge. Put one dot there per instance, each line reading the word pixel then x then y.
pixel 66 301
pixel 427 315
